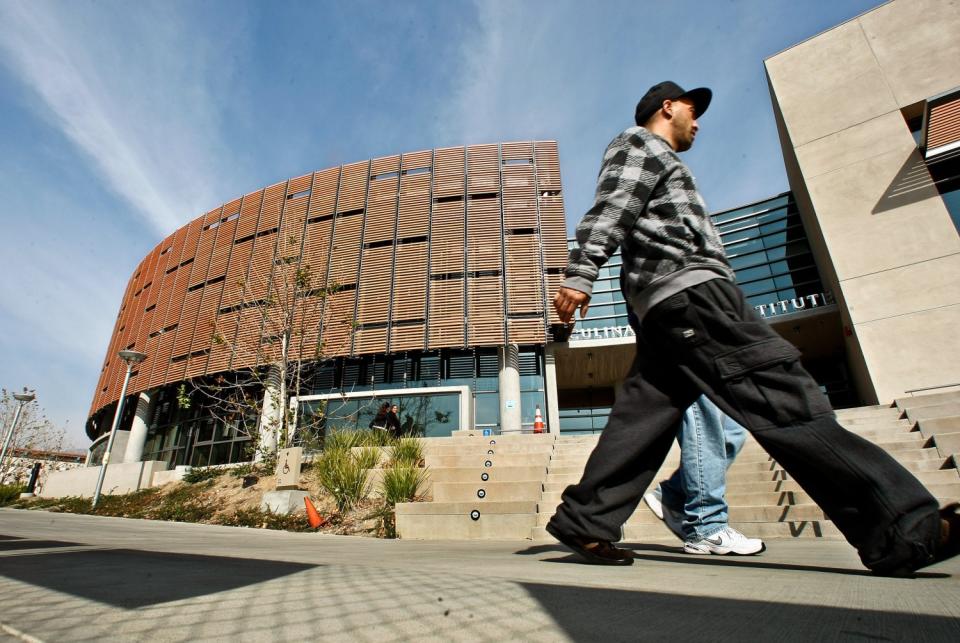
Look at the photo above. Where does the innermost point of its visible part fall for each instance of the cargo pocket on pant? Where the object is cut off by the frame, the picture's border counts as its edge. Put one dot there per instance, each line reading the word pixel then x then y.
pixel 769 385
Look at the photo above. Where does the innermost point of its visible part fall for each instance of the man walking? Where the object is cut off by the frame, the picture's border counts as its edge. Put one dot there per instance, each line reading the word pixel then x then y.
pixel 698 335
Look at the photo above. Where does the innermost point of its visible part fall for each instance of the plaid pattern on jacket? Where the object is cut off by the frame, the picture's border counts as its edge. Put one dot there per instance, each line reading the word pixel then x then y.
pixel 648 204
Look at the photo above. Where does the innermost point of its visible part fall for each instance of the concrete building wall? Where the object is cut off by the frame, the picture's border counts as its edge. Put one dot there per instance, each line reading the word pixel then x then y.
pixel 882 231
pixel 120 478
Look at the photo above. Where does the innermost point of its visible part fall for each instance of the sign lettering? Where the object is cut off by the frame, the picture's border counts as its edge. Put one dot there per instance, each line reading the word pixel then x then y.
pixel 795 304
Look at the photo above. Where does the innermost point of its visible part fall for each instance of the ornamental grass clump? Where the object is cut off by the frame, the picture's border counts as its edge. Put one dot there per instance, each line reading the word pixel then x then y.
pixel 10 493
pixel 343 474
pixel 376 438
pixel 407 452
pixel 367 457
pixel 342 440
pixel 402 483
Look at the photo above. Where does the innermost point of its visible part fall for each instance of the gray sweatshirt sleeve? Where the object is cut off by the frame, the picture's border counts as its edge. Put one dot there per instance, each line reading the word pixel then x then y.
pixel 627 178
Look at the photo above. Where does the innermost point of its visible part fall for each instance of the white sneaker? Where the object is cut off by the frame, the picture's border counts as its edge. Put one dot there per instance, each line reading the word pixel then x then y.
pixel 671 518
pixel 726 541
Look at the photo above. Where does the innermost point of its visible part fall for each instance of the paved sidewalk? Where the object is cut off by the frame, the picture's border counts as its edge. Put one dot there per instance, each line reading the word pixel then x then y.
pixel 70 578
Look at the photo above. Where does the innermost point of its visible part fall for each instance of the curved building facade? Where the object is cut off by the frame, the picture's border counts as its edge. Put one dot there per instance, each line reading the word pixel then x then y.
pixel 437 258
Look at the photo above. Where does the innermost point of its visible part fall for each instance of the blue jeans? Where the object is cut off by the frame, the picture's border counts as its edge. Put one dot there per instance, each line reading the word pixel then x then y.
pixel 709 442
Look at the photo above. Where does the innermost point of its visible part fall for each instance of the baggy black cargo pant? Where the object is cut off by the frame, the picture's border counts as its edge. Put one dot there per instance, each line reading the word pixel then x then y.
pixel 707 338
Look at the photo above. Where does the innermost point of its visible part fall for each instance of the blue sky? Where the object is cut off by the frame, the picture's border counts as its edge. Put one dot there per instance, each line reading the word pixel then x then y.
pixel 121 121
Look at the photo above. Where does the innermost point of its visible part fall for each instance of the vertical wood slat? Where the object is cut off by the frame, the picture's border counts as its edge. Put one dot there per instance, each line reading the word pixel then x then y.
pixel 143 315
pixel 448 168
pixel 182 277
pixel 373 287
pixel 353 187
pixel 445 327
pixel 164 278
pixel 524 285
pixel 483 169
pixel 485 297
pixel 553 227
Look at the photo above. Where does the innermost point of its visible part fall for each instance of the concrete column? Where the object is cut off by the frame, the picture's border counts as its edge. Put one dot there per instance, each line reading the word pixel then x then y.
pixel 510 389
pixel 271 413
pixel 550 389
pixel 141 424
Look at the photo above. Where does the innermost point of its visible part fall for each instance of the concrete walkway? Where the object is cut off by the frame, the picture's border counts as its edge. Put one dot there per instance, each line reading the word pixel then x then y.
pixel 71 578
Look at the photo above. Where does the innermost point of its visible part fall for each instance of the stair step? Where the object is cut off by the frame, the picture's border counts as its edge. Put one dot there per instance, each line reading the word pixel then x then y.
pixel 494 474
pixel 464 508
pixel 947 443
pixel 930 399
pixel 462 527
pixel 934 426
pixel 495 460
pixel 936 411
pixel 528 491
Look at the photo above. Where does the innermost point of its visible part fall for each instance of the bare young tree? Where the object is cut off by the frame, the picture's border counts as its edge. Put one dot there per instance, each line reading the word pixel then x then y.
pixel 275 329
pixel 34 432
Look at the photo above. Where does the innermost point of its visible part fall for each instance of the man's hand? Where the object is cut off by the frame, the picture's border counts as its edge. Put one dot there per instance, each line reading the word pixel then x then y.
pixel 566 302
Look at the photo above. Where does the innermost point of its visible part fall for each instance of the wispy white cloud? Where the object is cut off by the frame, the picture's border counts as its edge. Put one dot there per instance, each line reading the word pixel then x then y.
pixel 125 104
pixel 133 89
pixel 573 72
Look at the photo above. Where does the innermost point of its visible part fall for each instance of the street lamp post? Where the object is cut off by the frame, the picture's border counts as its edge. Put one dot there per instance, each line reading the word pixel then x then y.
pixel 131 358
pixel 22 399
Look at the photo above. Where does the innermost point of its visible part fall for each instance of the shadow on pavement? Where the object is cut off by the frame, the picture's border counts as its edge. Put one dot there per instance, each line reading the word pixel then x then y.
pixel 131 578
pixel 594 614
pixel 11 544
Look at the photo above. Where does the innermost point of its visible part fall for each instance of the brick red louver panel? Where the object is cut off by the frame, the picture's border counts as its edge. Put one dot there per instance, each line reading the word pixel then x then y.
pixel 943 125
pixel 444 248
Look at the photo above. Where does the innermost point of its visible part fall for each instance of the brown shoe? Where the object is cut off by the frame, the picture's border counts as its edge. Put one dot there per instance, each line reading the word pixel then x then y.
pixel 947 547
pixel 595 552
pixel 949 533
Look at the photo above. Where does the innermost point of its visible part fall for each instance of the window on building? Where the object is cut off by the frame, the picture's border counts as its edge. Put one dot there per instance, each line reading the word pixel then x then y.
pixel 941 160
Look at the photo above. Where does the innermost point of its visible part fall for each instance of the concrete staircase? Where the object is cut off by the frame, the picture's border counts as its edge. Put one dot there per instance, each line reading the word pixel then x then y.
pixel 482 487
pixel 506 487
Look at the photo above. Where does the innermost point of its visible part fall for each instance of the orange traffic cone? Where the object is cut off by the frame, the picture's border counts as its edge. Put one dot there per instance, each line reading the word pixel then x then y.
pixel 313 516
pixel 538 421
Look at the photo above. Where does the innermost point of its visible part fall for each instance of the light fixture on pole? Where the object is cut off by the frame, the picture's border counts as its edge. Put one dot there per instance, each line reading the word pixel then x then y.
pixel 22 399
pixel 131 358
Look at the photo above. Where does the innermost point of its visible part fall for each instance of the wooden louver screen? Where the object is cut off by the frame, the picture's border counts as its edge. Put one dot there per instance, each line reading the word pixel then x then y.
pixel 942 133
pixel 445 248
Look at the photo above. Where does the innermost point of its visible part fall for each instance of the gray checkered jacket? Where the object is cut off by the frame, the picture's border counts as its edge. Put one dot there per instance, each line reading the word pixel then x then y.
pixel 647 204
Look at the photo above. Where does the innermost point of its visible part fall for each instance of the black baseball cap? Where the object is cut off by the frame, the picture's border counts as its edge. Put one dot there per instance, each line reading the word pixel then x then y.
pixel 669 90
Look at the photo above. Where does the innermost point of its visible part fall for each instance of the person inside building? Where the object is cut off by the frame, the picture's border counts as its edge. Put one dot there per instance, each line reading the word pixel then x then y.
pixel 393 421
pixel 698 335
pixel 382 418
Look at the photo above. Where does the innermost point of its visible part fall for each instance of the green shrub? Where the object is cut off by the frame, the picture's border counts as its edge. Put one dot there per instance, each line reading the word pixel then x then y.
pixel 66 504
pixel 376 438
pixel 386 520
pixel 248 469
pixel 407 452
pixel 264 520
pixel 10 493
pixel 342 440
pixel 367 457
pixel 199 474
pixel 402 483
pixel 190 511
pixel 343 475
pixel 136 504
